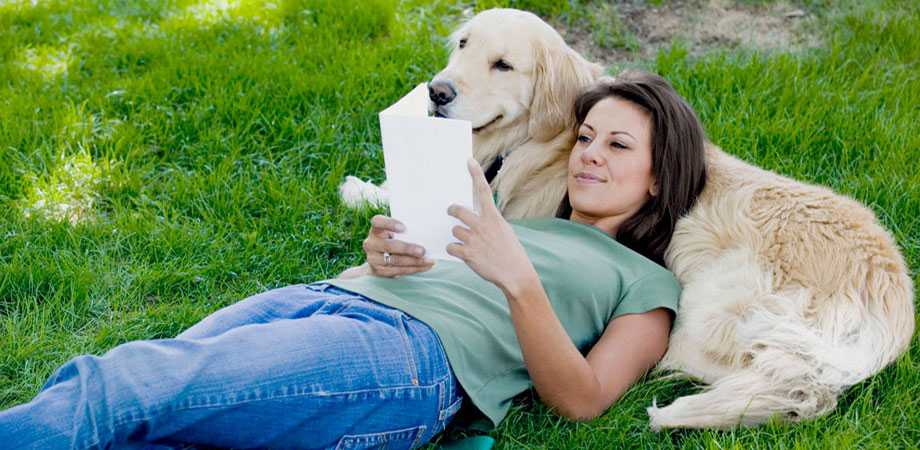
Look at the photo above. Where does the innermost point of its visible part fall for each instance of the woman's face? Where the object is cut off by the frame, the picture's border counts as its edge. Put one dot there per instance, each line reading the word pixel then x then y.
pixel 610 168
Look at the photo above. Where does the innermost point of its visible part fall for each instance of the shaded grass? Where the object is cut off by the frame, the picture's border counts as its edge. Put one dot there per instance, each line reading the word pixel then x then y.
pixel 199 152
pixel 216 149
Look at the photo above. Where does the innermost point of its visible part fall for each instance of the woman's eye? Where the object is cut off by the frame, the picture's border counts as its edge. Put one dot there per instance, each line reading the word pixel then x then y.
pixel 462 43
pixel 617 145
pixel 502 66
pixel 583 138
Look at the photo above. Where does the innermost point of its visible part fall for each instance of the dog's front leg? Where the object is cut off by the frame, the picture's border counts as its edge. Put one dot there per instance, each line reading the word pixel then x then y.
pixel 532 180
pixel 356 193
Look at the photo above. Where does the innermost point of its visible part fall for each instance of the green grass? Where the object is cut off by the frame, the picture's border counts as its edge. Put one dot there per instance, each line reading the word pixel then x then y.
pixel 161 160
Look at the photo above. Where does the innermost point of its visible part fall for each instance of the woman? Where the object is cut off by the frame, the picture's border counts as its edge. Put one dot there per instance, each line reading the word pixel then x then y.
pixel 391 358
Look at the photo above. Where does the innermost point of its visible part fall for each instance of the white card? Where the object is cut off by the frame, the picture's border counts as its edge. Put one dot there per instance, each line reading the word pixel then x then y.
pixel 426 169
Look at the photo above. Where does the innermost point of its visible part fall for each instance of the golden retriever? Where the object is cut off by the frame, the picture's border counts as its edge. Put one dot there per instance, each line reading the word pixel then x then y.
pixel 516 80
pixel 791 293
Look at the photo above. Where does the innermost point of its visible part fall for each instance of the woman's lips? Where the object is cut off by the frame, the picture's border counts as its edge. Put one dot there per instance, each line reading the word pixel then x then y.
pixel 587 178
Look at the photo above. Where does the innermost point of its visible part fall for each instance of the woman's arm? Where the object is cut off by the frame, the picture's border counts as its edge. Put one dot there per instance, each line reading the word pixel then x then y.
pixel 576 387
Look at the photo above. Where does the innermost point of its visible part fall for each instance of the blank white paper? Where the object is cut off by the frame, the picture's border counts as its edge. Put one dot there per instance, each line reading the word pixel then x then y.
pixel 426 169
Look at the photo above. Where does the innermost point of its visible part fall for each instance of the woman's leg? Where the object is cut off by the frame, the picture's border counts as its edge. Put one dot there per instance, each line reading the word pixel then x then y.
pixel 289 302
pixel 349 368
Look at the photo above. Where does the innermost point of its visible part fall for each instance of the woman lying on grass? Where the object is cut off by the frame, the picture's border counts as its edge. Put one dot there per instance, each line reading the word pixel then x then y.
pixel 391 355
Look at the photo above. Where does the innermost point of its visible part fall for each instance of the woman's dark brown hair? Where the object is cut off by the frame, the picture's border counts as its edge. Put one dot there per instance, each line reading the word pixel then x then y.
pixel 678 160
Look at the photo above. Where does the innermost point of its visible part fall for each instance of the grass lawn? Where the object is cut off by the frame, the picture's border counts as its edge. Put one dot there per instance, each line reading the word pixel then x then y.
pixel 162 159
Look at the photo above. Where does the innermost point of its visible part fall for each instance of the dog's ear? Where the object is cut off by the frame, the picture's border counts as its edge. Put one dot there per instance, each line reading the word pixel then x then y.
pixel 462 31
pixel 561 75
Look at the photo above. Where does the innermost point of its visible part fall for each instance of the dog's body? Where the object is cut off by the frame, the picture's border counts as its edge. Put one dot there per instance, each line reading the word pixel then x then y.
pixel 791 292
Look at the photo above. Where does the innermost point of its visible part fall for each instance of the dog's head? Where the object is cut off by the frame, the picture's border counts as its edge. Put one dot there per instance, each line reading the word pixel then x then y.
pixel 510 72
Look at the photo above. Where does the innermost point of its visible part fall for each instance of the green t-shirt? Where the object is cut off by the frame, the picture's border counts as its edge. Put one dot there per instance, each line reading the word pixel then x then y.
pixel 589 278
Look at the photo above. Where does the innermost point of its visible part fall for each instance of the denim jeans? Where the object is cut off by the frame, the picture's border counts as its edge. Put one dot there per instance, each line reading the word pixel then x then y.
pixel 305 366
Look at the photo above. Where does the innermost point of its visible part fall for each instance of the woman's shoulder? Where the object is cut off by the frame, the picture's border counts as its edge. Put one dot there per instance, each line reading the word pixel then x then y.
pixel 634 264
pixel 658 288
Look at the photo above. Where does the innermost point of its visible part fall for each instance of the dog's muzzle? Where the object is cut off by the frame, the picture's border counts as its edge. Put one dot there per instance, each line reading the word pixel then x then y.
pixel 441 92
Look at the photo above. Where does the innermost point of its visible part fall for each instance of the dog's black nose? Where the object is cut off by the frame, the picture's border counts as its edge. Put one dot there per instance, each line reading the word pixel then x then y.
pixel 441 92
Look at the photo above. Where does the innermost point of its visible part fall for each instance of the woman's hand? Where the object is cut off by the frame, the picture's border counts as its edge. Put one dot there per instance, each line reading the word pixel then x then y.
pixel 488 244
pixel 388 257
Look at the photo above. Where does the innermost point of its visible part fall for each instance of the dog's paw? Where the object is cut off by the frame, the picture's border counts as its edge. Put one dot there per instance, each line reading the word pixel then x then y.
pixel 356 193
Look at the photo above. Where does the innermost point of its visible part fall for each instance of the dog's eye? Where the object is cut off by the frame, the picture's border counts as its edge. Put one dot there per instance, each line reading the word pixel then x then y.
pixel 462 42
pixel 502 66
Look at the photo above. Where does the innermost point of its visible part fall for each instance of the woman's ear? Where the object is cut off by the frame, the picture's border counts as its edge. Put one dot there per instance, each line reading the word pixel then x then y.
pixel 561 75
pixel 653 189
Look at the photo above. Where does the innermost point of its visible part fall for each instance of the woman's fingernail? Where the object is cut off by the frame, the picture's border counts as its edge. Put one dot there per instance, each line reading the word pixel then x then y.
pixel 419 251
pixel 400 227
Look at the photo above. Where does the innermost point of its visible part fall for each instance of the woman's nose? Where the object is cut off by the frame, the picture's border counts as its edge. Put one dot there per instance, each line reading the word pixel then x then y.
pixel 592 155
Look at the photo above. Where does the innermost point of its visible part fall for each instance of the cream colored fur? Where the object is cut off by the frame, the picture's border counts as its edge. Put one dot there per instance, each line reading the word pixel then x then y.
pixel 535 101
pixel 791 292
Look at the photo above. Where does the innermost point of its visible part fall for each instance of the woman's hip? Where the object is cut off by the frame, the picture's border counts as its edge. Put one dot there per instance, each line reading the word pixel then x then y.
pixel 424 353
pixel 364 371
pixel 361 334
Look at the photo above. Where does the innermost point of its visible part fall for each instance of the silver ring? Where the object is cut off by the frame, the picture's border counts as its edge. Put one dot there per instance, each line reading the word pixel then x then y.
pixel 386 258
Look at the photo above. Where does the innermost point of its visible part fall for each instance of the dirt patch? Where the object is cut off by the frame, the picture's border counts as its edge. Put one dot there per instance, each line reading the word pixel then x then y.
pixel 635 30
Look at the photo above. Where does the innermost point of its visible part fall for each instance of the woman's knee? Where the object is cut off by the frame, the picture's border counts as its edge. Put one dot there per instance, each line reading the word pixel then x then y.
pixel 88 389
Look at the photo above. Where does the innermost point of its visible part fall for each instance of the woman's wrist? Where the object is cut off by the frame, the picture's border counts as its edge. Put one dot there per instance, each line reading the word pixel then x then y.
pixel 521 286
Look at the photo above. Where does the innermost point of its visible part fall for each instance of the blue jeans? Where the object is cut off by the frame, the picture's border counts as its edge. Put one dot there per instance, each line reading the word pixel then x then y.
pixel 305 366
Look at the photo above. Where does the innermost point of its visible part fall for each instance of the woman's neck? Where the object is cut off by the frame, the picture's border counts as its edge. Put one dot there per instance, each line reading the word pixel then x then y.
pixel 608 225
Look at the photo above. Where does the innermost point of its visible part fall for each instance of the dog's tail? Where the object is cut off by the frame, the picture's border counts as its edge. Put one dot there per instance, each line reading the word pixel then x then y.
pixel 795 366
